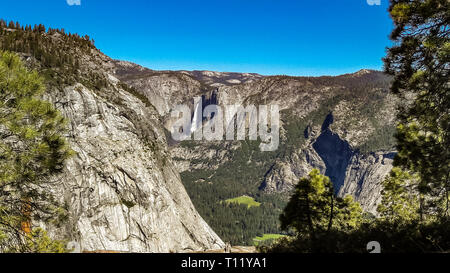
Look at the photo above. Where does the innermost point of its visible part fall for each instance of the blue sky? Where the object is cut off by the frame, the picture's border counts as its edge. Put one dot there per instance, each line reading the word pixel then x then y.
pixel 296 37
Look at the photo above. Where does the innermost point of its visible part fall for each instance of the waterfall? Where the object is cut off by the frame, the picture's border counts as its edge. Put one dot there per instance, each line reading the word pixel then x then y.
pixel 197 119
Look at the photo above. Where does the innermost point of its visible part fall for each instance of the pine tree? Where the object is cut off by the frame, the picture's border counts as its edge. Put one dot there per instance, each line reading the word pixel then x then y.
pixel 420 64
pixel 39 242
pixel 314 210
pixel 400 198
pixel 32 149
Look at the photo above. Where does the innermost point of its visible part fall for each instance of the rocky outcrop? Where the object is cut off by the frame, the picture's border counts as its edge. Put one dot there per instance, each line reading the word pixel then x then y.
pixel 364 176
pixel 285 174
pixel 361 177
pixel 334 152
pixel 351 172
pixel 121 190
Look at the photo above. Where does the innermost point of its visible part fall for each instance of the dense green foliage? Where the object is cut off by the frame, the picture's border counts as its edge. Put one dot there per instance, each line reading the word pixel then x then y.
pixel 420 62
pixel 32 148
pixel 208 189
pixel 39 242
pixel 407 238
pixel 314 212
pixel 42 45
pixel 314 209
pixel 400 201
pixel 398 229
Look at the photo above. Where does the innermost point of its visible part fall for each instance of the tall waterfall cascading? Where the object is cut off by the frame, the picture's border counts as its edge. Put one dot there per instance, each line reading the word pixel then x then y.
pixel 199 104
pixel 197 119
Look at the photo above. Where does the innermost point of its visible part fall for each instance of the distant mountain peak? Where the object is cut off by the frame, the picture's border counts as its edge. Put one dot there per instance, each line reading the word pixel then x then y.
pixel 363 72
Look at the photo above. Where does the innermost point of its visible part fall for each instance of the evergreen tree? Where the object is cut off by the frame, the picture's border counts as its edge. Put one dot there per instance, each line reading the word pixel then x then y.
pixel 419 62
pixel 32 149
pixel 39 242
pixel 400 198
pixel 314 210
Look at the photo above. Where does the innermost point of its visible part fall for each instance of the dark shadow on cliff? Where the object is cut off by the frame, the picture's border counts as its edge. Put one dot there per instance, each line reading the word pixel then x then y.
pixel 335 153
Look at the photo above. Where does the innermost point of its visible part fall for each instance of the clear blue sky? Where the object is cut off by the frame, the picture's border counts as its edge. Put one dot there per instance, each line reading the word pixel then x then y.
pixel 296 37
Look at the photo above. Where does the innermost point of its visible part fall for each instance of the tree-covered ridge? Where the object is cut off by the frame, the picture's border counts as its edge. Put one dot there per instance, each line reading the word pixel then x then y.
pixel 44 44
pixel 62 58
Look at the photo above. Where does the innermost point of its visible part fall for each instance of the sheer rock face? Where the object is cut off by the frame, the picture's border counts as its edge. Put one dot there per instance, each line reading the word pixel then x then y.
pixel 352 173
pixel 121 189
pixel 364 176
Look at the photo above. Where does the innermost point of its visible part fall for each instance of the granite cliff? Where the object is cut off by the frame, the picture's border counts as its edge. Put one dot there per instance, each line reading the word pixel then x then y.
pixel 120 191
